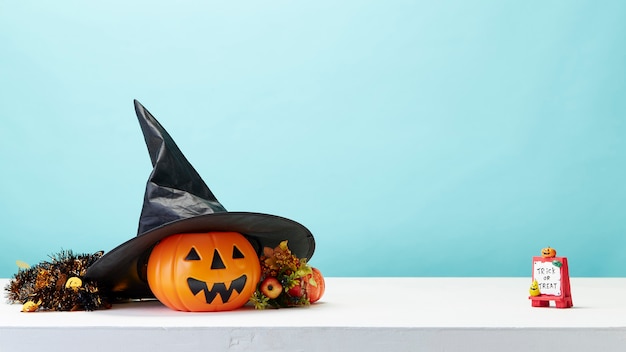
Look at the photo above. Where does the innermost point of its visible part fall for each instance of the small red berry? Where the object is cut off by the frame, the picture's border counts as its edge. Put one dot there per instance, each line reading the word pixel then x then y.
pixel 296 291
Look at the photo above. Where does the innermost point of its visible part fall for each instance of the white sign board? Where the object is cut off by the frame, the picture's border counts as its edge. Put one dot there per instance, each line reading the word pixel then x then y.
pixel 548 277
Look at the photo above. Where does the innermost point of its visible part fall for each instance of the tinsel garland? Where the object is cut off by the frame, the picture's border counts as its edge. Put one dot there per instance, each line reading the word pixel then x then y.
pixel 57 285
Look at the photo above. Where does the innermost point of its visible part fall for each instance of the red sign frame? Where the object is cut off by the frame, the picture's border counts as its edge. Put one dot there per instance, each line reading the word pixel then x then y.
pixel 564 300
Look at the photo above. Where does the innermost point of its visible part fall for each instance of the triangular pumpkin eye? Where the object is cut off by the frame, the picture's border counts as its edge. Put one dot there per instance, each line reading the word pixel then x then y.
pixel 237 253
pixel 193 255
pixel 217 262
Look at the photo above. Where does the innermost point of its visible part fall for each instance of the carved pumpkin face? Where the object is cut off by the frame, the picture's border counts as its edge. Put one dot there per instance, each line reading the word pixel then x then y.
pixel 201 272
pixel 548 252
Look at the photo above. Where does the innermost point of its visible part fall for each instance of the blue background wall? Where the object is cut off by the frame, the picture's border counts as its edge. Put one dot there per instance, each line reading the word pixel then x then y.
pixel 449 138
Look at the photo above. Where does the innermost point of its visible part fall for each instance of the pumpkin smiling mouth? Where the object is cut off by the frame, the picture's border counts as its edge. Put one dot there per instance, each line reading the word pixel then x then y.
pixel 219 288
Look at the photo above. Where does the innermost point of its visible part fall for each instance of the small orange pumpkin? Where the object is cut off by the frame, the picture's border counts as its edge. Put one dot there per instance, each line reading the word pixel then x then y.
pixel 204 272
pixel 548 252
pixel 316 292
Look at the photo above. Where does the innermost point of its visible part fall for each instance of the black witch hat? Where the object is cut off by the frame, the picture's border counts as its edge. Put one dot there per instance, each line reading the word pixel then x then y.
pixel 178 201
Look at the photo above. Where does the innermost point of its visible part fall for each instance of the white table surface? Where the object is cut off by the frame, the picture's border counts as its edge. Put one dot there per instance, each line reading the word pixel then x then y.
pixel 412 314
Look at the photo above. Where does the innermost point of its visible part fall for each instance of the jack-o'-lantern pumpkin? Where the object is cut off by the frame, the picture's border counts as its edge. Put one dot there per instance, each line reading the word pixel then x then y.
pixel 201 272
pixel 548 252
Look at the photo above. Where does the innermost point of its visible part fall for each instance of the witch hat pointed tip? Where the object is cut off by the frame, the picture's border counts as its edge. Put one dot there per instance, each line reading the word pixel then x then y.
pixel 138 105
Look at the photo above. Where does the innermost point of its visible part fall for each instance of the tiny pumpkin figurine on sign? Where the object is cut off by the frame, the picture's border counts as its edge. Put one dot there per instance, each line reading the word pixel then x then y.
pixel 548 252
pixel 190 252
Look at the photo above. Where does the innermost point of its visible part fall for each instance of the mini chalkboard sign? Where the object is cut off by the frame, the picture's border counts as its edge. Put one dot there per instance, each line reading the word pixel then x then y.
pixel 550 282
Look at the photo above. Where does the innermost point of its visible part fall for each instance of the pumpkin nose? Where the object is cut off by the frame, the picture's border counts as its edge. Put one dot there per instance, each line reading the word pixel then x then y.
pixel 217 262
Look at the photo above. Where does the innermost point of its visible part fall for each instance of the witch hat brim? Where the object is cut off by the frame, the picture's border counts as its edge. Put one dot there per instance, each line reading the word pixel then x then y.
pixel 178 201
